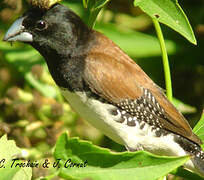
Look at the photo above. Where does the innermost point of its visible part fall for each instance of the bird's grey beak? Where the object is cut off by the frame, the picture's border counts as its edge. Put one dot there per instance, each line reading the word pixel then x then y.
pixel 17 32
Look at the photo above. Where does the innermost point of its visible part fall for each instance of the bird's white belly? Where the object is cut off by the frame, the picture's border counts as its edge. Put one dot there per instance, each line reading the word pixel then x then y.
pixel 133 137
pixel 95 112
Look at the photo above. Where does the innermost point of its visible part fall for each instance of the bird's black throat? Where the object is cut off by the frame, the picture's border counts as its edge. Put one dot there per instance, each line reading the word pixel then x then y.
pixel 66 64
pixel 66 70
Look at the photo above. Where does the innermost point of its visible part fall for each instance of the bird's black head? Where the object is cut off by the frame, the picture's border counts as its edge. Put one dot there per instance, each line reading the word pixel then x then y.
pixel 57 30
pixel 62 39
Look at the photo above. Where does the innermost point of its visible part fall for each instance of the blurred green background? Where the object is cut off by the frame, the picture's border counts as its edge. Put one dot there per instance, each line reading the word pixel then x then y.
pixel 32 110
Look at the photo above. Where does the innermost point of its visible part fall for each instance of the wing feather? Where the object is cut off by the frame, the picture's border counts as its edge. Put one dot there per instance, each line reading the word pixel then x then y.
pixel 118 77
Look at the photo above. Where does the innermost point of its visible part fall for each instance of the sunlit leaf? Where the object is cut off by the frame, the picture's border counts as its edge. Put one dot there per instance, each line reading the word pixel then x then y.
pixel 169 13
pixel 100 163
pixel 10 151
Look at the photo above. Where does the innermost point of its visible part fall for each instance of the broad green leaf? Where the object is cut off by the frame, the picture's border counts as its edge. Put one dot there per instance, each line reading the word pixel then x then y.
pixel 199 129
pixel 23 174
pixel 8 173
pixel 182 107
pixel 104 164
pixel 10 151
pixel 169 13
pixel 8 148
pixel 135 44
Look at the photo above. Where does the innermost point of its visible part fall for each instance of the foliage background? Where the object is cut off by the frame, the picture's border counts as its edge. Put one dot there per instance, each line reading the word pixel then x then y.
pixel 32 110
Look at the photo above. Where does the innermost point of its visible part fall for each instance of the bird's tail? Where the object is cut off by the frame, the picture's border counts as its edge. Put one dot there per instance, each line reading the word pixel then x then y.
pixel 198 163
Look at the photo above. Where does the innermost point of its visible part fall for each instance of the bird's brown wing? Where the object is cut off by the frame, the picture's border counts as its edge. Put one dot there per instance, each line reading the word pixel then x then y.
pixel 113 75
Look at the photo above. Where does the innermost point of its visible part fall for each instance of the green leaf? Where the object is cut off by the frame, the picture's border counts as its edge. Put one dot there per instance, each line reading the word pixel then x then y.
pixel 182 107
pixel 100 4
pixel 169 13
pixel 104 164
pixel 135 44
pixel 93 8
pixel 85 3
pixel 8 173
pixel 199 129
pixel 8 148
pixel 23 174
pixel 10 151
pixel 187 175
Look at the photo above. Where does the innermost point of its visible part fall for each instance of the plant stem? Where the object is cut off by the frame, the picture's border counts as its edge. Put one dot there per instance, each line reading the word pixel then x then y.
pixel 167 72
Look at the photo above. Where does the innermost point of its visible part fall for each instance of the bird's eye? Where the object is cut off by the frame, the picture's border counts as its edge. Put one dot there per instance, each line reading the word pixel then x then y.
pixel 41 25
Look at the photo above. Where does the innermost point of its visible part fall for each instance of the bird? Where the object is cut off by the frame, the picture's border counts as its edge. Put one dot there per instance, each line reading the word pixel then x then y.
pixel 105 86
